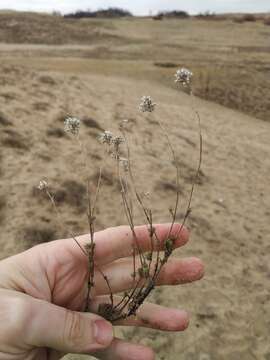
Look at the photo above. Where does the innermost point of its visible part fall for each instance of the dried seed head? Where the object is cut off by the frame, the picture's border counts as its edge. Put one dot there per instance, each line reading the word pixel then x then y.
pixel 43 185
pixel 72 125
pixel 117 140
pixel 183 76
pixel 124 163
pixel 147 105
pixel 106 137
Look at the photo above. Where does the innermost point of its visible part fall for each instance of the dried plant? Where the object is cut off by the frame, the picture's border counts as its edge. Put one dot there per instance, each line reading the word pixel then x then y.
pixel 145 274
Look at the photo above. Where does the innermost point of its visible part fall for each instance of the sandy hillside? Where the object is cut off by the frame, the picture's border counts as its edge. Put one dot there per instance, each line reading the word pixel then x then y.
pixel 230 219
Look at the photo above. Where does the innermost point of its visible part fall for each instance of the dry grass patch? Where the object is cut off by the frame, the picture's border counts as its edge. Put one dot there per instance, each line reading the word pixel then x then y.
pixel 15 140
pixel 71 193
pixel 56 133
pixel 37 233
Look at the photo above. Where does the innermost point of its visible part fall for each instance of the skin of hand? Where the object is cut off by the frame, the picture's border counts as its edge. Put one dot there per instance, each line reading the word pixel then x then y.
pixel 43 290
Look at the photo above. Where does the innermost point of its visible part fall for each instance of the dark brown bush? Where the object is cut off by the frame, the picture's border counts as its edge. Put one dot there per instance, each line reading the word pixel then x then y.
pixel 267 22
pixel 249 17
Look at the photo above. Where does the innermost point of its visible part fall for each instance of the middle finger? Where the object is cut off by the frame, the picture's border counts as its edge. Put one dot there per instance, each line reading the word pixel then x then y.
pixel 120 274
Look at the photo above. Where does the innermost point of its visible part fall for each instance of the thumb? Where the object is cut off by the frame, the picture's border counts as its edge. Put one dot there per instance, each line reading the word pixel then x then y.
pixel 68 331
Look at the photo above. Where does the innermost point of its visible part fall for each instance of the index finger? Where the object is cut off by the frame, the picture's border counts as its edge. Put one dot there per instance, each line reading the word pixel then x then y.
pixel 119 242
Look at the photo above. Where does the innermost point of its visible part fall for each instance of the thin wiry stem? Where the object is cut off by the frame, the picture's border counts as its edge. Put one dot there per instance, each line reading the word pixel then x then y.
pixel 58 216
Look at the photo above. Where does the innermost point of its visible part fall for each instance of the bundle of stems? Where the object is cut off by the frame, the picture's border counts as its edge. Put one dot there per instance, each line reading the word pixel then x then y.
pixel 145 275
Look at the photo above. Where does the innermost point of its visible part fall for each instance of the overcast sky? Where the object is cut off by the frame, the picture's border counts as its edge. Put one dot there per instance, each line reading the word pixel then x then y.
pixel 140 7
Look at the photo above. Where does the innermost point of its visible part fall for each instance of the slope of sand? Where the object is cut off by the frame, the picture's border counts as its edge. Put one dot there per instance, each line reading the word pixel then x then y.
pixel 230 220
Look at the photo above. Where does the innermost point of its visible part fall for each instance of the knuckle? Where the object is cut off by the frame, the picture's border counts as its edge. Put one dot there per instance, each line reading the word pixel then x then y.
pixel 73 332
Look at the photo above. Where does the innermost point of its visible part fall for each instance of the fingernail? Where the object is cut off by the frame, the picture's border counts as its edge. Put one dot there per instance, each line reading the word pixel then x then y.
pixel 103 332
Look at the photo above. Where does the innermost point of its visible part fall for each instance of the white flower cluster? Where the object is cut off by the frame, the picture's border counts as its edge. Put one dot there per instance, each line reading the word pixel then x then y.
pixel 183 76
pixel 72 125
pixel 114 143
pixel 106 137
pixel 43 185
pixel 147 105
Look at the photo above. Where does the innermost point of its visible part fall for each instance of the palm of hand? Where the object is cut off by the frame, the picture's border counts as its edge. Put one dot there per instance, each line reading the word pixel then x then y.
pixel 57 272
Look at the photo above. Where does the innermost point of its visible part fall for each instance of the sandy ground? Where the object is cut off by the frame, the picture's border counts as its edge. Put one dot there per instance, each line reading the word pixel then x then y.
pixel 230 308
pixel 98 71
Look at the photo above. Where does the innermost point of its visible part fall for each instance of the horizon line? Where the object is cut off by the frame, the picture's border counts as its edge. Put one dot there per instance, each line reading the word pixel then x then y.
pixel 133 14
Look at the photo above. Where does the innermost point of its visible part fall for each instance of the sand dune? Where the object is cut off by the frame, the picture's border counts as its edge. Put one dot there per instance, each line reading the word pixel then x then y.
pixel 230 220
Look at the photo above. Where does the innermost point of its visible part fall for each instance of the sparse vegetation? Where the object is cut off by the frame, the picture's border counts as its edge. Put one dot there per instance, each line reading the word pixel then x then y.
pixel 117 149
pixel 125 59
pixel 111 12
pixel 249 18
pixel 174 14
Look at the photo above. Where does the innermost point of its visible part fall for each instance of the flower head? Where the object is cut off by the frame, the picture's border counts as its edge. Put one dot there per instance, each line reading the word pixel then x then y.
pixel 147 105
pixel 106 137
pixel 43 185
pixel 183 76
pixel 72 125
pixel 117 140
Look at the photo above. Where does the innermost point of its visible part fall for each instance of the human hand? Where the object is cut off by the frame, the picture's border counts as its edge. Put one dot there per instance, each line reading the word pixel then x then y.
pixel 43 291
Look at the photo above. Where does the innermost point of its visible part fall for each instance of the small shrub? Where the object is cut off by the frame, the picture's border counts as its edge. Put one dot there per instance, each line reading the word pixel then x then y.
pixel 175 14
pixel 112 12
pixel 267 22
pixel 249 17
